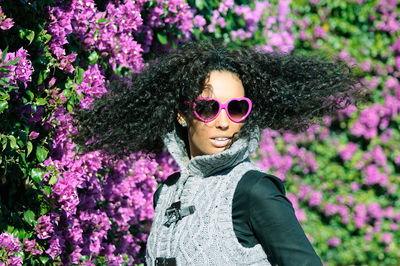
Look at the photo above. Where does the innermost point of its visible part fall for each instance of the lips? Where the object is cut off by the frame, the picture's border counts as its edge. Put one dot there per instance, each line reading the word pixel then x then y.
pixel 220 142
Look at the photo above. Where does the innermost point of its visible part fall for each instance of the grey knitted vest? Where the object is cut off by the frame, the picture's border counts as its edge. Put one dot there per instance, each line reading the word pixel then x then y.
pixel 207 182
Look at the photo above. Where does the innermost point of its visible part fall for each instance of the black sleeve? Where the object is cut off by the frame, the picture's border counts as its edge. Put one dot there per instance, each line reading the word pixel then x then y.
pixel 275 225
pixel 172 179
pixel 156 196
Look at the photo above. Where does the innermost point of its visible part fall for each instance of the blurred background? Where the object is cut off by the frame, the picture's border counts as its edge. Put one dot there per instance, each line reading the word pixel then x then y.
pixel 60 206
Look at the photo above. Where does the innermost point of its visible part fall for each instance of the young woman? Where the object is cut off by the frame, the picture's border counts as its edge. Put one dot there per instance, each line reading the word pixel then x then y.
pixel 207 105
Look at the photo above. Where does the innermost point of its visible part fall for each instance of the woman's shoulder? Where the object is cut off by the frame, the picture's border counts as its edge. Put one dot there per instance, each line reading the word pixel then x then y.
pixel 254 182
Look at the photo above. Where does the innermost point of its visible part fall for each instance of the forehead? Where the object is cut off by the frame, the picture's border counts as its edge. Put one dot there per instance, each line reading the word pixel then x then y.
pixel 223 85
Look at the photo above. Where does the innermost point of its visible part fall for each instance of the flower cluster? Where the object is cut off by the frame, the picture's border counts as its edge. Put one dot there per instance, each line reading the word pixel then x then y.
pixel 9 250
pixel 341 177
pixel 96 196
pixel 5 23
pixel 109 32
pixel 21 71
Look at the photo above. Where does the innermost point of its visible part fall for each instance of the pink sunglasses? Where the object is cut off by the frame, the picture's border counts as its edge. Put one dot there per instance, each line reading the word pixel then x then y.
pixel 208 109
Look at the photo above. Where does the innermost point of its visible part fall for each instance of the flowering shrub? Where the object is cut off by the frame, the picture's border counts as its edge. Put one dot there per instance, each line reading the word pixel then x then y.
pixel 60 206
pixel 343 176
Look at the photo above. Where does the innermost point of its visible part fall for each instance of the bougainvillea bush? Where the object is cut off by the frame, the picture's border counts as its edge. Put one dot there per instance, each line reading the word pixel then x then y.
pixel 61 206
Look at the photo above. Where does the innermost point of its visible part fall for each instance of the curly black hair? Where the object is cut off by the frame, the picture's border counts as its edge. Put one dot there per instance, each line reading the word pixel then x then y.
pixel 288 91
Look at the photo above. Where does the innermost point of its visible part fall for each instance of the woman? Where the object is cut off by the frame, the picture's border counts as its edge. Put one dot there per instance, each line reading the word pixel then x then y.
pixel 207 104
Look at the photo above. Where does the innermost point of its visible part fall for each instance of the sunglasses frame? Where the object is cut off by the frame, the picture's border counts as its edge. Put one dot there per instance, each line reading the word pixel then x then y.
pixel 223 106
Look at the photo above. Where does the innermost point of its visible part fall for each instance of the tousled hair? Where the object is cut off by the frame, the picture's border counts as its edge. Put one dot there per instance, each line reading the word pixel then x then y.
pixel 288 91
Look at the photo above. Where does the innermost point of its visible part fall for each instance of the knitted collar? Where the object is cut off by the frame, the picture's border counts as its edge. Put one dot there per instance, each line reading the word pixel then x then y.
pixel 206 165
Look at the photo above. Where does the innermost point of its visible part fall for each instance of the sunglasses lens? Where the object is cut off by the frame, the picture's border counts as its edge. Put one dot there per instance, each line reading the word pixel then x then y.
pixel 238 109
pixel 207 110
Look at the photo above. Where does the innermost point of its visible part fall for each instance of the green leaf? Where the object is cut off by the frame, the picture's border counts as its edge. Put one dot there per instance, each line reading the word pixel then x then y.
pixel 41 101
pixel 29 216
pixel 93 57
pixel 96 34
pixel 70 108
pixel 29 148
pixel 30 94
pixel 69 84
pixel 4 70
pixel 37 175
pixel 47 190
pixel 4 142
pixel 79 75
pixel 10 228
pixel 53 180
pixel 102 20
pixel 200 4
pixel 30 36
pixel 42 76
pixel 41 153
pixel 44 260
pixel 67 93
pixel 13 142
pixel 20 143
pixel 3 57
pixel 3 106
pixel 13 62
pixel 162 38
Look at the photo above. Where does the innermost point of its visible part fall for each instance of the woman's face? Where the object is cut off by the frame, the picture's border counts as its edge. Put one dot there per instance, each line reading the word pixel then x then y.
pixel 215 136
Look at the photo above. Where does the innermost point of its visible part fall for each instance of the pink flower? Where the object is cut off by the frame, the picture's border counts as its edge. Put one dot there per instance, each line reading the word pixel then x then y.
pixel 366 66
pixel 386 238
pixel 33 135
pixel 315 198
pixel 375 210
pixel 319 32
pixel 30 246
pixel 330 209
pixel 199 21
pixel 348 151
pixel 334 241
pixel 5 23
pixel 44 227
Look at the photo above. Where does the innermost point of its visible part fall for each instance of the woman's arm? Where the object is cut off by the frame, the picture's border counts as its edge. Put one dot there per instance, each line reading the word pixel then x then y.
pixel 275 225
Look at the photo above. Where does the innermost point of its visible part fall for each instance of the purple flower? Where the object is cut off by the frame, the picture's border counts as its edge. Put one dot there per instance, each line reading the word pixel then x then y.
pixel 386 238
pixel 360 215
pixel 334 241
pixel 21 71
pixel 56 246
pixel 355 186
pixel 347 152
pixel 366 65
pixel 396 46
pixel 379 156
pixel 330 209
pixel 344 213
pixel 374 176
pixel 319 32
pixel 199 21
pixel 44 227
pixel 315 198
pixel 31 247
pixel 394 227
pixel 397 62
pixel 33 135
pixel 5 23
pixel 9 248
pixel 375 210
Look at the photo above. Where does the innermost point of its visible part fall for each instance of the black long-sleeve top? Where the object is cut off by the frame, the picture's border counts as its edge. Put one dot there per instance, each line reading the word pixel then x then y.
pixel 261 213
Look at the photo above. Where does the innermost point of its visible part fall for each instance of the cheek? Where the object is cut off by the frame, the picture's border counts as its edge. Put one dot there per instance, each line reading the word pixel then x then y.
pixel 199 131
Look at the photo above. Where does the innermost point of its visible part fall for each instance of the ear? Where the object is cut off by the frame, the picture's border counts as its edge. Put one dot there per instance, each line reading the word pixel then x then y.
pixel 181 119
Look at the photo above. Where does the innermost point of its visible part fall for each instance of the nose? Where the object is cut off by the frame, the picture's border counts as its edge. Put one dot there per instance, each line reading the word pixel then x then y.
pixel 222 121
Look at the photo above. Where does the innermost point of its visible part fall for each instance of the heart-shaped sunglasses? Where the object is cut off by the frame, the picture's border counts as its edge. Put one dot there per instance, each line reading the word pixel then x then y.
pixel 208 109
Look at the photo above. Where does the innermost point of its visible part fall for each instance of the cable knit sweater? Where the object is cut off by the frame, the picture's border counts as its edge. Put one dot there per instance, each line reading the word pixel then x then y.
pixel 205 237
